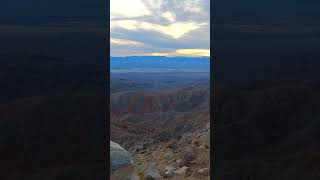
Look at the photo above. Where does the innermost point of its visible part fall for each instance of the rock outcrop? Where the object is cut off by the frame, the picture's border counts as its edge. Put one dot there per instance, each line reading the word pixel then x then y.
pixel 182 170
pixel 121 162
pixel 152 171
pixel 119 156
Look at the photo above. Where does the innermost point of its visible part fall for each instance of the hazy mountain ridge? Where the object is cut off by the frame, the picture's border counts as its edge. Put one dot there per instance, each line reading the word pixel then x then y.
pixel 160 63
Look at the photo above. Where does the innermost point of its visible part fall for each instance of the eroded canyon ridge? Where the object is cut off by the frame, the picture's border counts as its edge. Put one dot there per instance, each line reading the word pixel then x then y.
pixel 160 115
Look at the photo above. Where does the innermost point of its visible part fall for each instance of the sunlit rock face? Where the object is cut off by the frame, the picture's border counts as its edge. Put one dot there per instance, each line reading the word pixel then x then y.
pixel 121 162
pixel 119 156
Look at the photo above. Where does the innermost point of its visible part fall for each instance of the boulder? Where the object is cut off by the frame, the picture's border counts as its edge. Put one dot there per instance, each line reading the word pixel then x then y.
pixel 168 171
pixel 119 156
pixel 121 162
pixel 152 172
pixel 167 174
pixel 204 171
pixel 181 170
pixel 169 168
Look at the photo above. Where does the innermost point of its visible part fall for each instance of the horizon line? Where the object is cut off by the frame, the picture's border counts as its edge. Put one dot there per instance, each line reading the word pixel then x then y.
pixel 160 56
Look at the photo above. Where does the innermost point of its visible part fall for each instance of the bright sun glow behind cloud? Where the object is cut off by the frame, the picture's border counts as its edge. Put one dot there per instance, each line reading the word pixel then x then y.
pixel 174 30
pixel 169 16
pixel 184 52
pixel 115 41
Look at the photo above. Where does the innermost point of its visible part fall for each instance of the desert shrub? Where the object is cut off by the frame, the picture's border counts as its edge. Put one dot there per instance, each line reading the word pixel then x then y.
pixel 141 176
pixel 206 146
pixel 188 155
pixel 197 142
pixel 185 140
pixel 172 143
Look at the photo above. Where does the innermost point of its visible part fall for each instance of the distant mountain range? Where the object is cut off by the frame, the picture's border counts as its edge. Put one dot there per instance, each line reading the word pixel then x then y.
pixel 159 64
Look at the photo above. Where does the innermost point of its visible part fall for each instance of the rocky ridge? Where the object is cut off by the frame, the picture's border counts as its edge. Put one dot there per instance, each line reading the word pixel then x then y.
pixel 168 133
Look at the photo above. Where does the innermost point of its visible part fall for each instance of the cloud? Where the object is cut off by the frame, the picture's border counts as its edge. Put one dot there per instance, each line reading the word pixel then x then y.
pixel 184 52
pixel 169 16
pixel 128 8
pixel 193 6
pixel 162 26
pixel 115 41
pixel 193 52
pixel 174 30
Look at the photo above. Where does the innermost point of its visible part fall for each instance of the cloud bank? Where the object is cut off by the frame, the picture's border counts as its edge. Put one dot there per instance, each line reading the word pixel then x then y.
pixel 160 27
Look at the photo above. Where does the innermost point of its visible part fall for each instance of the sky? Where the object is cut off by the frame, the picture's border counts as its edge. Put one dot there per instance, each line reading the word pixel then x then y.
pixel 160 28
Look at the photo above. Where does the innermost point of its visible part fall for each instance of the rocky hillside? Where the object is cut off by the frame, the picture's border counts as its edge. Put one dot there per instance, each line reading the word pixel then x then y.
pixel 158 116
pixel 166 133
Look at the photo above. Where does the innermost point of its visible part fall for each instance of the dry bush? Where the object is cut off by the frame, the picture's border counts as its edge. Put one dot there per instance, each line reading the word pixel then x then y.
pixel 185 140
pixel 172 143
pixel 197 142
pixel 206 146
pixel 188 155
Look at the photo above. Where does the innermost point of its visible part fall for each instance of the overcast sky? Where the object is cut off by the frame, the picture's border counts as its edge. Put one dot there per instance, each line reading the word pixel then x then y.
pixel 160 27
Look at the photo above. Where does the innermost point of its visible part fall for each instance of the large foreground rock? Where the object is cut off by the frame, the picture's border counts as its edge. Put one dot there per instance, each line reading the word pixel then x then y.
pixel 119 156
pixel 121 162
